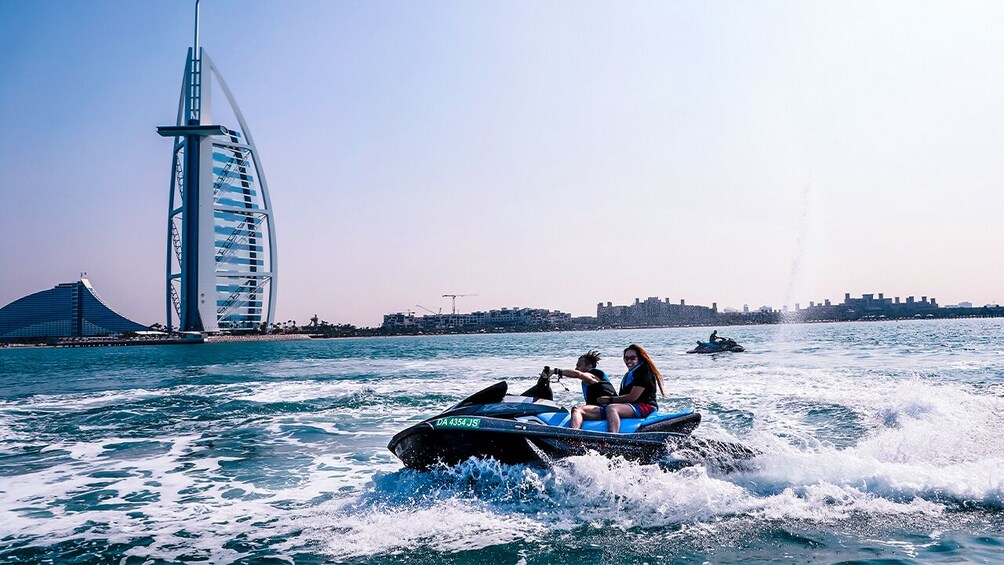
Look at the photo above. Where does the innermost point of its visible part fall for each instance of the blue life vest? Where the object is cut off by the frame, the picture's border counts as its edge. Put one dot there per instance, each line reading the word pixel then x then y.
pixel 629 377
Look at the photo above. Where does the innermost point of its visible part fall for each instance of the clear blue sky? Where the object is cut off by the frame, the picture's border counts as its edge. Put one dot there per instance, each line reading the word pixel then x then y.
pixel 543 154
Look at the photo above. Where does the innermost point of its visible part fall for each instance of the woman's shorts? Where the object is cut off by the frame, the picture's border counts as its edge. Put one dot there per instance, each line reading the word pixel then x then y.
pixel 642 410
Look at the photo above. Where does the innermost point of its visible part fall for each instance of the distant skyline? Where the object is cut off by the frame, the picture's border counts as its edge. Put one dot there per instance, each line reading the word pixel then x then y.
pixel 547 155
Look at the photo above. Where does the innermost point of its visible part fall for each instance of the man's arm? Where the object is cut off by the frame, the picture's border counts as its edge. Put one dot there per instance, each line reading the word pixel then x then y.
pixel 587 378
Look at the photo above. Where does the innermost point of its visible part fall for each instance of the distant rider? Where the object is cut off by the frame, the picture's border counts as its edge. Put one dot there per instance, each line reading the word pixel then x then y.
pixel 595 382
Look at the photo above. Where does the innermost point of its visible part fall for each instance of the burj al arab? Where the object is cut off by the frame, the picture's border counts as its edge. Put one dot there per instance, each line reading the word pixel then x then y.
pixel 221 247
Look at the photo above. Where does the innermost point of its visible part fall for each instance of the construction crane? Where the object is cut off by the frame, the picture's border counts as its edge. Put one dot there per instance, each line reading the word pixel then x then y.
pixel 455 297
pixel 427 310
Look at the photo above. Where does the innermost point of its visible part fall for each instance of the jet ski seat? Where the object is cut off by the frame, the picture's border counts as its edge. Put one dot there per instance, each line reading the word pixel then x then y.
pixel 630 425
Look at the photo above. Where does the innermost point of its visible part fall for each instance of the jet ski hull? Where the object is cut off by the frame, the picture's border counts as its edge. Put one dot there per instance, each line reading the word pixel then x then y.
pixel 705 347
pixel 452 440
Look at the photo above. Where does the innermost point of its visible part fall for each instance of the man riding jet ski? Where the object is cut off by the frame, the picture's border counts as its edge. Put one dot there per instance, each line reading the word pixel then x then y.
pixel 716 344
pixel 532 428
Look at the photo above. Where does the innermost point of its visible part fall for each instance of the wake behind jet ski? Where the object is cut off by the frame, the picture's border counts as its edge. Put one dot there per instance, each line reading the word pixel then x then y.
pixel 532 428
pixel 716 344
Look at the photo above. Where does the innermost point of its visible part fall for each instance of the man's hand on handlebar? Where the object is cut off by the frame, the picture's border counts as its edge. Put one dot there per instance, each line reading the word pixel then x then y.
pixel 552 375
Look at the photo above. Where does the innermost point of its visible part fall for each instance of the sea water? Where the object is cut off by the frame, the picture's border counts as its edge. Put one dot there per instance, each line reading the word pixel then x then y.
pixel 878 442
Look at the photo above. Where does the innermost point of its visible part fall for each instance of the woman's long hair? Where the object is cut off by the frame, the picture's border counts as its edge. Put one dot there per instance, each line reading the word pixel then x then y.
pixel 643 356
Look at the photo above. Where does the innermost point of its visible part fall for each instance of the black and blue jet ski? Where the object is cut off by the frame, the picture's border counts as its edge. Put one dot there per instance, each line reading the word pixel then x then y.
pixel 532 428
pixel 724 344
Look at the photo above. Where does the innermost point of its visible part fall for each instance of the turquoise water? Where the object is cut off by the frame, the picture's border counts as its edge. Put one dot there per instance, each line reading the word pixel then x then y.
pixel 881 443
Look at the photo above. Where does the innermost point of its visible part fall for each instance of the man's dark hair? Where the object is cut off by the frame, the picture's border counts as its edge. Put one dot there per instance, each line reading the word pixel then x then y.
pixel 592 356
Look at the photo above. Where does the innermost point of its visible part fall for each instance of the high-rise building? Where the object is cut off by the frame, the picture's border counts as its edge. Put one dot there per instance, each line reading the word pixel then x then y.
pixel 221 252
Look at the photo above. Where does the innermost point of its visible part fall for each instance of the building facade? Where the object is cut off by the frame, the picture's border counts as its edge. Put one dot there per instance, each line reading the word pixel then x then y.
pixel 67 310
pixel 504 318
pixel 655 312
pixel 868 307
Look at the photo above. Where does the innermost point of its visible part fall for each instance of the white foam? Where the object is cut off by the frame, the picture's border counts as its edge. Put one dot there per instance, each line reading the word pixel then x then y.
pixel 84 401
pixel 450 526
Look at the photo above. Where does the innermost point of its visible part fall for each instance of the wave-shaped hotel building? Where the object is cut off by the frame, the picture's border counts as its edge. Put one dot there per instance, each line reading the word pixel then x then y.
pixel 66 310
pixel 221 253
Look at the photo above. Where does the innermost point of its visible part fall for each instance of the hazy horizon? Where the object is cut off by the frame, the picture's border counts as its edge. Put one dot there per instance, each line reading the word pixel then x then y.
pixel 545 155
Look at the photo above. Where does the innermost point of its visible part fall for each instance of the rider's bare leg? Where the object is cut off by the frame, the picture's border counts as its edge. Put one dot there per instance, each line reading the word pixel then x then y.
pixel 587 412
pixel 614 414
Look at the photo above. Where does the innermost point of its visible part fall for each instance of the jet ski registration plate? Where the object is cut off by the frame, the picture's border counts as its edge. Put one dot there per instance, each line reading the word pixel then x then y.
pixel 457 422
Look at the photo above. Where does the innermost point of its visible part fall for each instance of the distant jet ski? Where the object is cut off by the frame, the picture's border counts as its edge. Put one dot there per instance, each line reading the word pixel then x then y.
pixel 532 428
pixel 724 344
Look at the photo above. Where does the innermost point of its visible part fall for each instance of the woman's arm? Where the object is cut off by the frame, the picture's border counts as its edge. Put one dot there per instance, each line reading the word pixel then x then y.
pixel 632 396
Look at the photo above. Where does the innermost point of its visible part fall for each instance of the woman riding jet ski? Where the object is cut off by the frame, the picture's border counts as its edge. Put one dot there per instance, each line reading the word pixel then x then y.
pixel 532 428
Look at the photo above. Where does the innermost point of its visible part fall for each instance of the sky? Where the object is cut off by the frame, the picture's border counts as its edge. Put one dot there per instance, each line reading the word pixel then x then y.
pixel 549 154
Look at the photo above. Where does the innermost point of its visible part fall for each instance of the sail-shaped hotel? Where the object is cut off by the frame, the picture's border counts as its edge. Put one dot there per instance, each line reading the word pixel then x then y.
pixel 221 254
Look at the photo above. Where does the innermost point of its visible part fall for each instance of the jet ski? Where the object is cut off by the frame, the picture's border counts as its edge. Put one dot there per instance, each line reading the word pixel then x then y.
pixel 532 429
pixel 723 344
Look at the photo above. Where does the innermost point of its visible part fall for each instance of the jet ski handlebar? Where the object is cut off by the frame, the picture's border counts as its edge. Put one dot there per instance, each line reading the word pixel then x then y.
pixel 553 377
